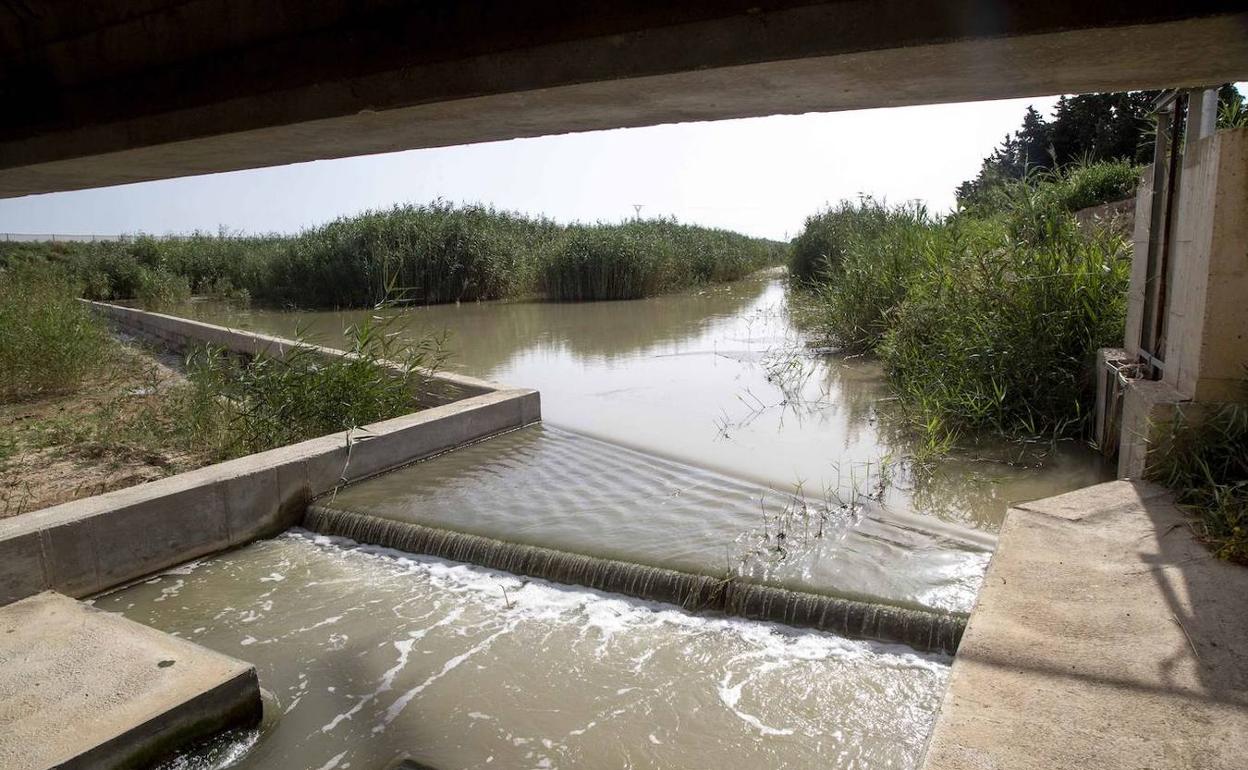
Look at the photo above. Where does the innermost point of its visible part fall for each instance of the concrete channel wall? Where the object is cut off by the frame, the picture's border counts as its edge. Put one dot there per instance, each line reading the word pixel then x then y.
pixel 87 546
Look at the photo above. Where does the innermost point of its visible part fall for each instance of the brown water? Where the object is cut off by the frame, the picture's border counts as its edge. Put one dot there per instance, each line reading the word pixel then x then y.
pixel 718 378
pixel 669 423
pixel 546 486
pixel 370 655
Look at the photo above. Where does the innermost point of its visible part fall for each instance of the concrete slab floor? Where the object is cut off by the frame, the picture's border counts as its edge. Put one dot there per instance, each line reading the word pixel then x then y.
pixel 1107 638
pixel 82 688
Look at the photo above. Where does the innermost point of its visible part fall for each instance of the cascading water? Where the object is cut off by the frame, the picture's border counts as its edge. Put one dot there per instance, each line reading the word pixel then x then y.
pixel 923 630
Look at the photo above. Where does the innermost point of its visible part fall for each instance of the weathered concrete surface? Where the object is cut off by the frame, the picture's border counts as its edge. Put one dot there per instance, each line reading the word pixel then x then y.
pixel 81 688
pixel 1207 308
pixel 1105 637
pixel 144 89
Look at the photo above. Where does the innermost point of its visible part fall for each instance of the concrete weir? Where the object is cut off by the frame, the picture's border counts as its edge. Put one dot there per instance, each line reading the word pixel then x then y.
pixel 132 693
pixel 81 688
pixel 924 630
pixel 90 545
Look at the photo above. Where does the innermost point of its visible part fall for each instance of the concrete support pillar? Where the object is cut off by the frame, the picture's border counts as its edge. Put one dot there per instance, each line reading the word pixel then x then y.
pixel 1207 295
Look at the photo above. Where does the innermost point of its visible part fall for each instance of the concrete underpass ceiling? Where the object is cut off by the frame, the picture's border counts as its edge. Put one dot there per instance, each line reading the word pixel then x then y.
pixel 150 89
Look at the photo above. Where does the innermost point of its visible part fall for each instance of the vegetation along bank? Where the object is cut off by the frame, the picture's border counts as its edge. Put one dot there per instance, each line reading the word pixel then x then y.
pixel 424 254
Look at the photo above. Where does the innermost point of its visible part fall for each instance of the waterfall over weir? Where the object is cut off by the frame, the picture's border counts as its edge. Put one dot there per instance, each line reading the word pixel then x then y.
pixel 921 629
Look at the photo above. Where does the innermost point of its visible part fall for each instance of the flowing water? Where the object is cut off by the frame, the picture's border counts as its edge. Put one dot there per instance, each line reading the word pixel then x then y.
pixel 719 378
pixel 695 432
pixel 370 656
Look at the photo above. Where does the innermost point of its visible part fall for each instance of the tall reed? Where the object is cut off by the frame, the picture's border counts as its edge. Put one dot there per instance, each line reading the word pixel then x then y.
pixel 49 341
pixel 985 321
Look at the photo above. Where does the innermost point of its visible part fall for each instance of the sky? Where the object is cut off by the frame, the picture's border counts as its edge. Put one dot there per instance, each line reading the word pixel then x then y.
pixel 760 176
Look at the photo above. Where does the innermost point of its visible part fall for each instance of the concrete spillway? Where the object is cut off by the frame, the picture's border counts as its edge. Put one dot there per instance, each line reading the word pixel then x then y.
pixel 921 629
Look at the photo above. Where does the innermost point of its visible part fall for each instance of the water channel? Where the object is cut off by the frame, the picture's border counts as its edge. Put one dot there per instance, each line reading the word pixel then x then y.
pixel 680 431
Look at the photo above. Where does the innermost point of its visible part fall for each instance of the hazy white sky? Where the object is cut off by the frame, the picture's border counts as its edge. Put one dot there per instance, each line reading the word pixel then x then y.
pixel 761 176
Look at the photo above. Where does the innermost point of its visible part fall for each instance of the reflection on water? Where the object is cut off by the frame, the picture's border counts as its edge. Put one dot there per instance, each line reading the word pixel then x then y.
pixel 372 656
pixel 718 378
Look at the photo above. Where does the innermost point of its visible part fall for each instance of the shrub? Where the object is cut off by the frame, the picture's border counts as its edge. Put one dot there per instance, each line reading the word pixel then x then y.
pixel 431 254
pixel 49 341
pixel 983 323
pixel 425 254
pixel 880 250
pixel 1000 334
pixel 159 288
pixel 1092 184
pixel 1206 463
pixel 273 401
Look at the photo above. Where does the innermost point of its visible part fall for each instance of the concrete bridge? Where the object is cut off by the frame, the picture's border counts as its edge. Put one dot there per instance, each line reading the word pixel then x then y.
pixel 148 89
pixel 137 90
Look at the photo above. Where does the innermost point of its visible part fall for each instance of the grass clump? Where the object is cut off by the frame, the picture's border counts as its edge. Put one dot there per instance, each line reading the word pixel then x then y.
pixel 818 250
pixel 999 334
pixel 1206 462
pixel 1074 187
pixel 985 322
pixel 49 341
pixel 876 252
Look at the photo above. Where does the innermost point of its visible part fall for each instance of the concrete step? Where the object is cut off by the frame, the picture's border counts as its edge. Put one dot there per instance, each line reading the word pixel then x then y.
pixel 82 688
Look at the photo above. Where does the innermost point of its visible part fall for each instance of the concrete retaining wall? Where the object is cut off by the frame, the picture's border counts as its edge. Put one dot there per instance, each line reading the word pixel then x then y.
pixel 89 545
pixel 178 334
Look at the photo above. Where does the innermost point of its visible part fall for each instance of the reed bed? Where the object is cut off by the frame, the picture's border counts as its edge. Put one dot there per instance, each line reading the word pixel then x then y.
pixel 643 258
pixel 428 254
pixel 986 321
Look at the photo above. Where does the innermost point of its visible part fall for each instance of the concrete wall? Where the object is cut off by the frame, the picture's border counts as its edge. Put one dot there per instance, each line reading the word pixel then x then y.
pixel 86 546
pixel 1105 637
pixel 1206 338
pixel 178 334
pixel 1207 335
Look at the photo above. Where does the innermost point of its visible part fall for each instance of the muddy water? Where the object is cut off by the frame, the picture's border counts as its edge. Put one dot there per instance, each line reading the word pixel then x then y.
pixel 371 656
pixel 669 422
pixel 719 378
pixel 549 487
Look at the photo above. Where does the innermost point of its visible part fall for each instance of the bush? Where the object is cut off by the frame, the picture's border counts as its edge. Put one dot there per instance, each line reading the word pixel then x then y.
pixel 1092 184
pixel 1000 334
pixel 1079 186
pixel 430 254
pixel 49 341
pixel 880 248
pixel 159 289
pixel 423 254
pixel 273 401
pixel 1206 463
pixel 983 323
